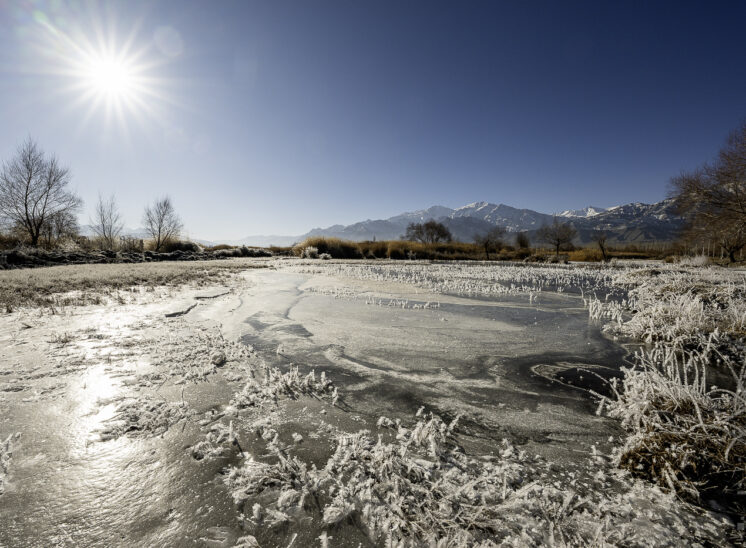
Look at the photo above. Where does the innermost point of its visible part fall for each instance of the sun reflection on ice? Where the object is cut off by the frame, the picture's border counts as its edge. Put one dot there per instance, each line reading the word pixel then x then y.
pixel 96 394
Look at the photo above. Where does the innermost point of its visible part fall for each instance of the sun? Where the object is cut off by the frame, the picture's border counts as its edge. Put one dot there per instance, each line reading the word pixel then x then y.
pixel 115 81
pixel 103 73
pixel 110 77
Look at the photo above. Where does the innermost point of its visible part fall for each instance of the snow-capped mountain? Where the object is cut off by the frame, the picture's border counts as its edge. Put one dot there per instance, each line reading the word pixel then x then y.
pixel 589 211
pixel 635 222
pixel 434 212
pixel 514 220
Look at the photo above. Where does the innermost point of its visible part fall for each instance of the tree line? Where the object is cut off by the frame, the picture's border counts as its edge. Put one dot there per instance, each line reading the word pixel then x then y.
pixel 37 203
pixel 558 235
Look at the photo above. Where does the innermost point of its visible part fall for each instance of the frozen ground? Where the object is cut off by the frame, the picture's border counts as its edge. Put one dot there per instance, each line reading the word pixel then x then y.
pixel 147 420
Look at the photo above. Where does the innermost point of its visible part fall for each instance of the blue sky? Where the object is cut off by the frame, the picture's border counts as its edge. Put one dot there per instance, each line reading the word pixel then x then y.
pixel 275 117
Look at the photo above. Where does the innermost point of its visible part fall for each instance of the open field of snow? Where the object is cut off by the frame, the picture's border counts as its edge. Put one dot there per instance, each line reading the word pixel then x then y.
pixel 364 404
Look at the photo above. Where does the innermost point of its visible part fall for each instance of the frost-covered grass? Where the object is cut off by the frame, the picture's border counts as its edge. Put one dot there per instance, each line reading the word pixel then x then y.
pixel 476 279
pixel 94 283
pixel 684 433
pixel 415 486
pixel 674 304
pixel 696 260
pixel 144 416
pixel 194 356
pixel 217 440
pixel 273 384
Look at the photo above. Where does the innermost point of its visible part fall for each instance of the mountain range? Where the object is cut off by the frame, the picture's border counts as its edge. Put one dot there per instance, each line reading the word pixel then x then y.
pixel 626 224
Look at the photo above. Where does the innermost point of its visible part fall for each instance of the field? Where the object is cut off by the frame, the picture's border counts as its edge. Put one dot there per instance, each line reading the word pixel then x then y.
pixel 291 402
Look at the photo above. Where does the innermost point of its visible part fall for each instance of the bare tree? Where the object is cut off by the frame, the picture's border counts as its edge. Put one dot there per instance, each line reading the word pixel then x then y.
pixel 558 235
pixel 59 225
pixel 107 221
pixel 713 197
pixel 702 230
pixel 491 241
pixel 599 236
pixel 161 222
pixel 430 232
pixel 33 189
pixel 415 233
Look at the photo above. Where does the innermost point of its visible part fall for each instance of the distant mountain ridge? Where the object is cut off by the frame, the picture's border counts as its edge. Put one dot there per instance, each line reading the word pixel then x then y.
pixel 589 211
pixel 629 223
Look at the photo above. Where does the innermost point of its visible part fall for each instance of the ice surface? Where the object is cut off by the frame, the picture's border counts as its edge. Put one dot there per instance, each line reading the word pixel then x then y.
pixel 257 452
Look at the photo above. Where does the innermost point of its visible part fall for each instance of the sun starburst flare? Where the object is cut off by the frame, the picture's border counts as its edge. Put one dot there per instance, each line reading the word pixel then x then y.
pixel 103 75
pixel 111 77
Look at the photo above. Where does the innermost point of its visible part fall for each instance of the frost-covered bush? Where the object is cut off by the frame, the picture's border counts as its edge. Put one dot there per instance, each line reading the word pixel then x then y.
pixel 695 261
pixel 684 433
pixel 310 252
pixel 325 256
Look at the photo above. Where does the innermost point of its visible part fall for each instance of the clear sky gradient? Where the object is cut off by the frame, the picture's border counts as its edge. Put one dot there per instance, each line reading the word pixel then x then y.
pixel 275 117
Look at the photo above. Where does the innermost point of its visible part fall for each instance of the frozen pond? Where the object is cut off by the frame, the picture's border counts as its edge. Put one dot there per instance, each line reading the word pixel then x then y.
pixel 487 360
pixel 130 421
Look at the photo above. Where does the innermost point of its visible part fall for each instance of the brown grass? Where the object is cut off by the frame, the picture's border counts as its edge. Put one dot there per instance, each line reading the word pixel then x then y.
pixel 586 254
pixel 89 284
pixel 337 248
pixel 281 251
pixel 8 241
pixel 402 250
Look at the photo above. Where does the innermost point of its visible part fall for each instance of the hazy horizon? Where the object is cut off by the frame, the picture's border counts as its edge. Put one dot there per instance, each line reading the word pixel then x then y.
pixel 269 118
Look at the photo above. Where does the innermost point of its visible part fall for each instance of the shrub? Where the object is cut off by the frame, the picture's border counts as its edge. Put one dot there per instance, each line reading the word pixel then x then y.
pixel 697 260
pixel 337 248
pixel 310 252
pixel 254 252
pixel 131 245
pixel 10 241
pixel 170 246
pixel 219 247
pixel 231 252
pixel 325 256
